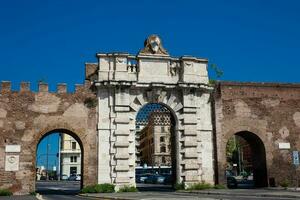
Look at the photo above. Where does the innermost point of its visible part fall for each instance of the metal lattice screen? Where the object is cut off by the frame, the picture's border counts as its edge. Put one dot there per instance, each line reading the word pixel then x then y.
pixel 153 113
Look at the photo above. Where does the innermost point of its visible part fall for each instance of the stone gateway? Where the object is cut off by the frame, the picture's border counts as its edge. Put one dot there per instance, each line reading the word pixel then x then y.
pixel 101 116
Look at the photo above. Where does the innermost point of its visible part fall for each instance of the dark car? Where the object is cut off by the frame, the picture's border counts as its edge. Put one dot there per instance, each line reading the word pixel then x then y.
pixel 72 177
pixel 231 182
pixel 155 178
pixel 140 178
pixel 168 179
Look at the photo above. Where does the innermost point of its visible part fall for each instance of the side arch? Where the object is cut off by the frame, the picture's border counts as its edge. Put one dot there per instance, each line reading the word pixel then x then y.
pixel 258 156
pixel 48 131
pixel 86 141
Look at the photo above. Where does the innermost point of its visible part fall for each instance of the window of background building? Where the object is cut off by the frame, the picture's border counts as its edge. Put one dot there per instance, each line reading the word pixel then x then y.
pixel 73 159
pixel 162 139
pixel 73 145
pixel 163 160
pixel 163 149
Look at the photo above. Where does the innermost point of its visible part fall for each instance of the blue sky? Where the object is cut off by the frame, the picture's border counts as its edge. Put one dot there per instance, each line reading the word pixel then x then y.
pixel 50 40
pixel 41 156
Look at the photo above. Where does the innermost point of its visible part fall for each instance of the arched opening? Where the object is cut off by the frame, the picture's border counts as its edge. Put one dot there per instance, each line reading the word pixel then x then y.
pixel 246 161
pixel 59 163
pixel 155 148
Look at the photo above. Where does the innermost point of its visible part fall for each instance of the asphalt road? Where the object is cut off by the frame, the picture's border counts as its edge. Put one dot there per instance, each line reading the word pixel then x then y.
pixel 58 189
pixel 67 190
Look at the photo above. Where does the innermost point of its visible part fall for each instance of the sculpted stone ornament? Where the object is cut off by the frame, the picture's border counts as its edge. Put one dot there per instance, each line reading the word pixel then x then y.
pixel 153 45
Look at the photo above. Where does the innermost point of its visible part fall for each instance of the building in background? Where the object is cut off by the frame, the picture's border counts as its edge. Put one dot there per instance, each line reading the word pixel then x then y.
pixel 155 140
pixel 70 155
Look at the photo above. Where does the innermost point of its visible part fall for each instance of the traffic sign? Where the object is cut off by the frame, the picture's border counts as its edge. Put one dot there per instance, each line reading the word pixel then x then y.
pixel 296 158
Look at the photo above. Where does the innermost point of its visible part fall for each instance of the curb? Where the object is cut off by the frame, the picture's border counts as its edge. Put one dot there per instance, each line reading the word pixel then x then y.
pixel 197 192
pixel 238 194
pixel 104 197
pixel 39 196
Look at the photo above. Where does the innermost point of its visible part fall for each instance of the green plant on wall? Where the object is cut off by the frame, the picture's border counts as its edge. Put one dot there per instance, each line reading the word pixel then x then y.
pixel 90 102
pixel 218 72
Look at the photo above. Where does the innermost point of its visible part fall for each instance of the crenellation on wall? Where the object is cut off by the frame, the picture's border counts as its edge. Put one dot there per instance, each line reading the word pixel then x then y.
pixel 5 86
pixel 43 87
pixel 25 87
pixel 61 88
pixel 79 88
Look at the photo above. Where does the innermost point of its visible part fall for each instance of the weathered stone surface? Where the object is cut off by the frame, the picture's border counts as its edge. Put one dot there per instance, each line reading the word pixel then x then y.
pixel 25 117
pixel 20 125
pixel 269 111
pixel 296 118
pixel 45 103
pixel 3 113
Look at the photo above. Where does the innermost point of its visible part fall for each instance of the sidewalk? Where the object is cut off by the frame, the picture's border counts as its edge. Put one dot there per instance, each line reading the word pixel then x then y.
pixel 275 193
pixel 16 197
pixel 267 192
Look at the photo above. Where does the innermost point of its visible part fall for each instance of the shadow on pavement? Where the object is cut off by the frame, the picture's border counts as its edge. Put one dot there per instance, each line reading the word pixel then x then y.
pixel 58 187
pixel 154 188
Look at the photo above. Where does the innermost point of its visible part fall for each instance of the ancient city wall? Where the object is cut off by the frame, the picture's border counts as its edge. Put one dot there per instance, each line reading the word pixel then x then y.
pixel 27 116
pixel 270 111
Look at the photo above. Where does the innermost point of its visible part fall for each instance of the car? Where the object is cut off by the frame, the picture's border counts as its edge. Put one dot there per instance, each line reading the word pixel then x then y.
pixel 140 178
pixel 78 177
pixel 159 179
pixel 168 179
pixel 75 177
pixel 155 178
pixel 231 182
pixel 64 177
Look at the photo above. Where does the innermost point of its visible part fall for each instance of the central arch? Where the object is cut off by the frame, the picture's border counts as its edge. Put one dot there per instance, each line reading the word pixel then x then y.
pixel 156 145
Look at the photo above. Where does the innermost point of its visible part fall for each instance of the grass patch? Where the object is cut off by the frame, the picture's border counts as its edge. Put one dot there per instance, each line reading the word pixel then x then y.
pixel 127 188
pixel 179 186
pixel 33 193
pixel 218 186
pixel 99 188
pixel 284 183
pixel 200 186
pixel 5 192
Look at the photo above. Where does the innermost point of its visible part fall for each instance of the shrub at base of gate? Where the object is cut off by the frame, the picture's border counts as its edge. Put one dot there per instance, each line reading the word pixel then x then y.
pixel 179 186
pixel 284 184
pixel 219 186
pixel 99 188
pixel 127 188
pixel 5 192
pixel 200 186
